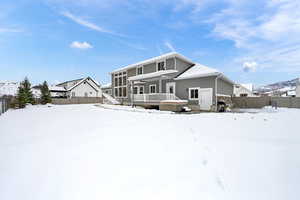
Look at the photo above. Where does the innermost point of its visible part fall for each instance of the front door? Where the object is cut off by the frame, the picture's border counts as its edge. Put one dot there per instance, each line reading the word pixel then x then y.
pixel 170 88
pixel 205 98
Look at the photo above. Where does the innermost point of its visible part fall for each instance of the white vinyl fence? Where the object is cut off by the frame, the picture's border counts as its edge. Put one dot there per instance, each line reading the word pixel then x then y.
pixel 4 105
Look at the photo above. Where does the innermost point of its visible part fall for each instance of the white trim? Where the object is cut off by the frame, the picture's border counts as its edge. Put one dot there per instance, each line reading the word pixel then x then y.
pixel 194 88
pixel 172 84
pixel 139 90
pixel 150 89
pixel 165 64
pixel 136 71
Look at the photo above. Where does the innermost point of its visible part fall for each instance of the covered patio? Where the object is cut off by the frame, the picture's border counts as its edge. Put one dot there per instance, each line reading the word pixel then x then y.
pixel 152 96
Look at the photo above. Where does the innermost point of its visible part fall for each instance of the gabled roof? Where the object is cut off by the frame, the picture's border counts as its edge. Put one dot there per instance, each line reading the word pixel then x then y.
pixel 70 81
pixel 84 79
pixel 198 71
pixel 154 59
pixel 108 85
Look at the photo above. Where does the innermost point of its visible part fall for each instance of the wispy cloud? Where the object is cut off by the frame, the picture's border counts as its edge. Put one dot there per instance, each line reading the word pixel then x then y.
pixel 81 45
pixel 169 45
pixel 88 24
pixel 264 31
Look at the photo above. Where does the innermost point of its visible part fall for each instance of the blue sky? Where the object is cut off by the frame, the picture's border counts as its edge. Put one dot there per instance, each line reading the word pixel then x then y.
pixel 55 40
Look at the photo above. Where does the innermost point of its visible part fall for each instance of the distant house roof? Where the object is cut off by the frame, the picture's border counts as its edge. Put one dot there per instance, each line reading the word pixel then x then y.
pixel 70 81
pixel 154 59
pixel 106 86
pixel 198 71
pixel 84 79
pixel 57 88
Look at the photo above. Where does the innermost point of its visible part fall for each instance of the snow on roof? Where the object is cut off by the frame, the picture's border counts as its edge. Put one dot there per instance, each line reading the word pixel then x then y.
pixel 9 88
pixel 151 60
pixel 248 86
pixel 56 88
pixel 107 85
pixel 197 71
pixel 151 75
pixel 83 81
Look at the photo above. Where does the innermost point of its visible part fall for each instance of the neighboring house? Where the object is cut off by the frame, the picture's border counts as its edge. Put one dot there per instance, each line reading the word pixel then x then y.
pixel 106 88
pixel 9 88
pixel 171 77
pixel 298 89
pixel 84 87
pixel 243 90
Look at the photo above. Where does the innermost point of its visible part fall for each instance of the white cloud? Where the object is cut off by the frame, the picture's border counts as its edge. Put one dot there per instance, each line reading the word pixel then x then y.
pixel 265 31
pixel 249 66
pixel 88 24
pixel 81 45
pixel 169 45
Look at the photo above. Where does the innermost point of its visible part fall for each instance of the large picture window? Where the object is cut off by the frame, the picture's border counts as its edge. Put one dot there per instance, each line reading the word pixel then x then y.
pixel 120 85
pixel 193 93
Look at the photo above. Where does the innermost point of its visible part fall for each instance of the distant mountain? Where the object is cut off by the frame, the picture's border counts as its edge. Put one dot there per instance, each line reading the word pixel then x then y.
pixel 279 86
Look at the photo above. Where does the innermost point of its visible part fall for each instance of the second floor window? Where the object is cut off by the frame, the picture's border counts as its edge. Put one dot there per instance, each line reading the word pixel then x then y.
pixel 139 70
pixel 161 66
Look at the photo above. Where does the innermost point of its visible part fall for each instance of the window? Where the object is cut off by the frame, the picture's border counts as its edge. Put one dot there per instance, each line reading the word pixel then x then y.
pixel 243 95
pixel 161 66
pixel 135 90
pixel 193 93
pixel 116 82
pixel 120 92
pixel 124 80
pixel 141 90
pixel 139 70
pixel 152 89
pixel 124 91
pixel 120 84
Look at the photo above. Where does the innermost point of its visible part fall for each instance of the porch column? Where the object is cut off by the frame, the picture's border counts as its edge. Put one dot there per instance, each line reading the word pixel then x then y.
pixel 131 92
pixel 160 86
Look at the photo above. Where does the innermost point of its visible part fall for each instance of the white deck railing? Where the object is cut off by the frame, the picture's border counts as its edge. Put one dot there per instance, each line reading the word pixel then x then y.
pixel 154 97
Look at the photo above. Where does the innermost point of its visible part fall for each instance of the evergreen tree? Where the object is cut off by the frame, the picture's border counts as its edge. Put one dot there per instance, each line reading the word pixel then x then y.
pixel 21 97
pixel 45 93
pixel 25 95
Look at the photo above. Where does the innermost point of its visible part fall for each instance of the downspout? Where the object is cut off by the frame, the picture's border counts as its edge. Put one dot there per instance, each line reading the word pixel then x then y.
pixel 216 91
pixel 131 92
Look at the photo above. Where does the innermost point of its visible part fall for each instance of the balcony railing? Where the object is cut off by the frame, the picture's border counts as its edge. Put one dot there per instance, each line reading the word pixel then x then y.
pixel 154 97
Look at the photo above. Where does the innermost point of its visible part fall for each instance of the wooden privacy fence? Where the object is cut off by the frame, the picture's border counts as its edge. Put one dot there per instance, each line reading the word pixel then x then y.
pixel 4 105
pixel 77 100
pixel 259 102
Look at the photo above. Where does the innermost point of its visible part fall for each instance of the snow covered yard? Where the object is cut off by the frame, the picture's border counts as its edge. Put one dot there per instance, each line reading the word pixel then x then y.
pixel 77 152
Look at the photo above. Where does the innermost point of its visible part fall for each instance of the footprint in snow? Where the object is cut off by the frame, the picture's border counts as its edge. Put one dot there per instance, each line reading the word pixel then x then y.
pixel 220 182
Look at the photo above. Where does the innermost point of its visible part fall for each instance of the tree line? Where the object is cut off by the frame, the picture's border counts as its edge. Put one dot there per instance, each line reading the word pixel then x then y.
pixel 25 95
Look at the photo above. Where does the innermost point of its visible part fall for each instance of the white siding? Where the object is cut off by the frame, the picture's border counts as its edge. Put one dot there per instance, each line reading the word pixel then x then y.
pixel 239 89
pixel 86 88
